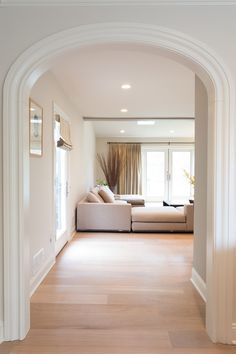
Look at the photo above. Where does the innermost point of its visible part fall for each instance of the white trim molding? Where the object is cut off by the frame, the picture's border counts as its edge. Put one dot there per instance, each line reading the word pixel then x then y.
pixel 117 3
pixel 234 333
pixel 41 274
pixel 221 167
pixel 199 284
pixel 73 234
pixel 1 332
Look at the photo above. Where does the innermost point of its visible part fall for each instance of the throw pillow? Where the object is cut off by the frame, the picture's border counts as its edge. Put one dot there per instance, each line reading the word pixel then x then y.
pixel 92 198
pixel 95 191
pixel 106 195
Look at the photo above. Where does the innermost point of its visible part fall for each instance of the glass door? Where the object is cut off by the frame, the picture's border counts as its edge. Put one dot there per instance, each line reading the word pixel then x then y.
pixel 181 160
pixel 61 194
pixel 164 173
pixel 155 168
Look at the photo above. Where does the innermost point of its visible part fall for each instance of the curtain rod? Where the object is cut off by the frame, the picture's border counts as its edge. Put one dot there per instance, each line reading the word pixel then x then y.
pixel 152 142
pixel 114 119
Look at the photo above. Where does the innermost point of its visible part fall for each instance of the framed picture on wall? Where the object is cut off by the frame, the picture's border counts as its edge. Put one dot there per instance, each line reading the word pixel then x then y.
pixel 35 129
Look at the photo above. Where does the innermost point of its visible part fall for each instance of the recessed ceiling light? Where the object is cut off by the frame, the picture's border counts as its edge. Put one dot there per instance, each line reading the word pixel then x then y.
pixel 126 86
pixel 32 109
pixel 146 122
pixel 172 131
pixel 122 131
pixel 124 110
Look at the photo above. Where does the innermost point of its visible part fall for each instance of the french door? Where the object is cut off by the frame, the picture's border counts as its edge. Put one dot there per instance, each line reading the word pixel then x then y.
pixel 61 194
pixel 163 173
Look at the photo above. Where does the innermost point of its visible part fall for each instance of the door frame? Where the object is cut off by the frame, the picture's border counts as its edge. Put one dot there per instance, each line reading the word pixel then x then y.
pixel 221 228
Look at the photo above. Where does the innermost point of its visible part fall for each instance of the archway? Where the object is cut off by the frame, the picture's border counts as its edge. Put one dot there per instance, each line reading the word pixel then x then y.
pixel 21 77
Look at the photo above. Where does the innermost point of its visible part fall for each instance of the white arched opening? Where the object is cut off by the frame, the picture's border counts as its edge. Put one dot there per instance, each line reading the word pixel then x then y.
pixel 220 227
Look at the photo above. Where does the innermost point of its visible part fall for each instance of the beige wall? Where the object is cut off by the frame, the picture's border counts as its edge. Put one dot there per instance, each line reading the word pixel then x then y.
pixel 41 224
pixel 200 190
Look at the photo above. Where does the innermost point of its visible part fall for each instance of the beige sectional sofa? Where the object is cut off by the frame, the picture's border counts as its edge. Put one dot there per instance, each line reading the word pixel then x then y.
pixel 94 214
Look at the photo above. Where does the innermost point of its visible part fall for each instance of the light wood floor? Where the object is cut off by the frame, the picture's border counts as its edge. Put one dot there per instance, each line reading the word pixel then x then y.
pixel 119 294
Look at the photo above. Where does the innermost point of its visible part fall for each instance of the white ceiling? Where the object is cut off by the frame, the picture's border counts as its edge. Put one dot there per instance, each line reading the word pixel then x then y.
pixel 170 128
pixel 92 77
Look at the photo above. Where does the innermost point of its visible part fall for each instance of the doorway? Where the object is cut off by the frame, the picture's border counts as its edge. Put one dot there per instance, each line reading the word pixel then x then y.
pixel 220 176
pixel 61 187
pixel 61 196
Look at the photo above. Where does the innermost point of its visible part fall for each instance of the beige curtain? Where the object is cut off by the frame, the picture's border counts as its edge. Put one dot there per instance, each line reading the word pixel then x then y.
pixel 129 181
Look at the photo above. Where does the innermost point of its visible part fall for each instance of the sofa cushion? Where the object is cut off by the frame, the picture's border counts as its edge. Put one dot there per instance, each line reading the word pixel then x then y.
pixel 106 194
pixel 93 198
pixel 134 199
pixel 157 214
pixel 95 191
pixel 121 202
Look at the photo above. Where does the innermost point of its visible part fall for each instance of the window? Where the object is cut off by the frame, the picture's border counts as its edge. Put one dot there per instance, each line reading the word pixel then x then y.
pixel 163 172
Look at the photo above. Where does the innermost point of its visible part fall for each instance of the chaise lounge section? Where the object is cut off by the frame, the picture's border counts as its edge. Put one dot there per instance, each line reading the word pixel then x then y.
pixel 157 219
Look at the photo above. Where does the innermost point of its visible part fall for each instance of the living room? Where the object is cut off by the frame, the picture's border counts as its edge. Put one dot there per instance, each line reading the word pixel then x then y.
pixel 88 93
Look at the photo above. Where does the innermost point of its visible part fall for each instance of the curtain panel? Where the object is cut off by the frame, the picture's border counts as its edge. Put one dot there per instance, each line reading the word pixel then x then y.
pixel 130 179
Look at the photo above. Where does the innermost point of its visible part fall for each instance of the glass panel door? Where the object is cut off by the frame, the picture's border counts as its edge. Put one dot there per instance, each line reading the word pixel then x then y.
pixel 163 173
pixel 180 161
pixel 61 194
pixel 155 175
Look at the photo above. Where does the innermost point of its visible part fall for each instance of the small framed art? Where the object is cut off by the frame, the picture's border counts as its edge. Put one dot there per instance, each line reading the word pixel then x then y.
pixel 35 129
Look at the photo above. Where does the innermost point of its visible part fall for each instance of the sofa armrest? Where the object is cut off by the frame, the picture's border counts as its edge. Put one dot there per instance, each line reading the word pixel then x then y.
pixel 107 216
pixel 189 213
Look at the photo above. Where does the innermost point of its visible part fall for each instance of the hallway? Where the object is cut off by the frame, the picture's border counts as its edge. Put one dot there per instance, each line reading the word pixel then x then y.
pixel 119 294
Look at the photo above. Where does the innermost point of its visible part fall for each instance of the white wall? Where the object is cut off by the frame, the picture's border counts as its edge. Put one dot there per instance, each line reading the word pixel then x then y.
pixel 41 223
pixel 200 190
pixel 20 27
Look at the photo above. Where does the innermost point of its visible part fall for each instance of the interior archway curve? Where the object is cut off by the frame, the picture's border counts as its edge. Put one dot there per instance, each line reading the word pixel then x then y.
pixel 22 76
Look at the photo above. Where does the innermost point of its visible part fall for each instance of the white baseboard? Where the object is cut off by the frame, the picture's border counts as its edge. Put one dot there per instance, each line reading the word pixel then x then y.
pixel 199 284
pixel 73 233
pixel 1 332
pixel 234 333
pixel 38 278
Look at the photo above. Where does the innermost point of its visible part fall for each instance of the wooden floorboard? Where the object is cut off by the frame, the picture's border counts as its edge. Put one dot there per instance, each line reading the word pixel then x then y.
pixel 119 294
